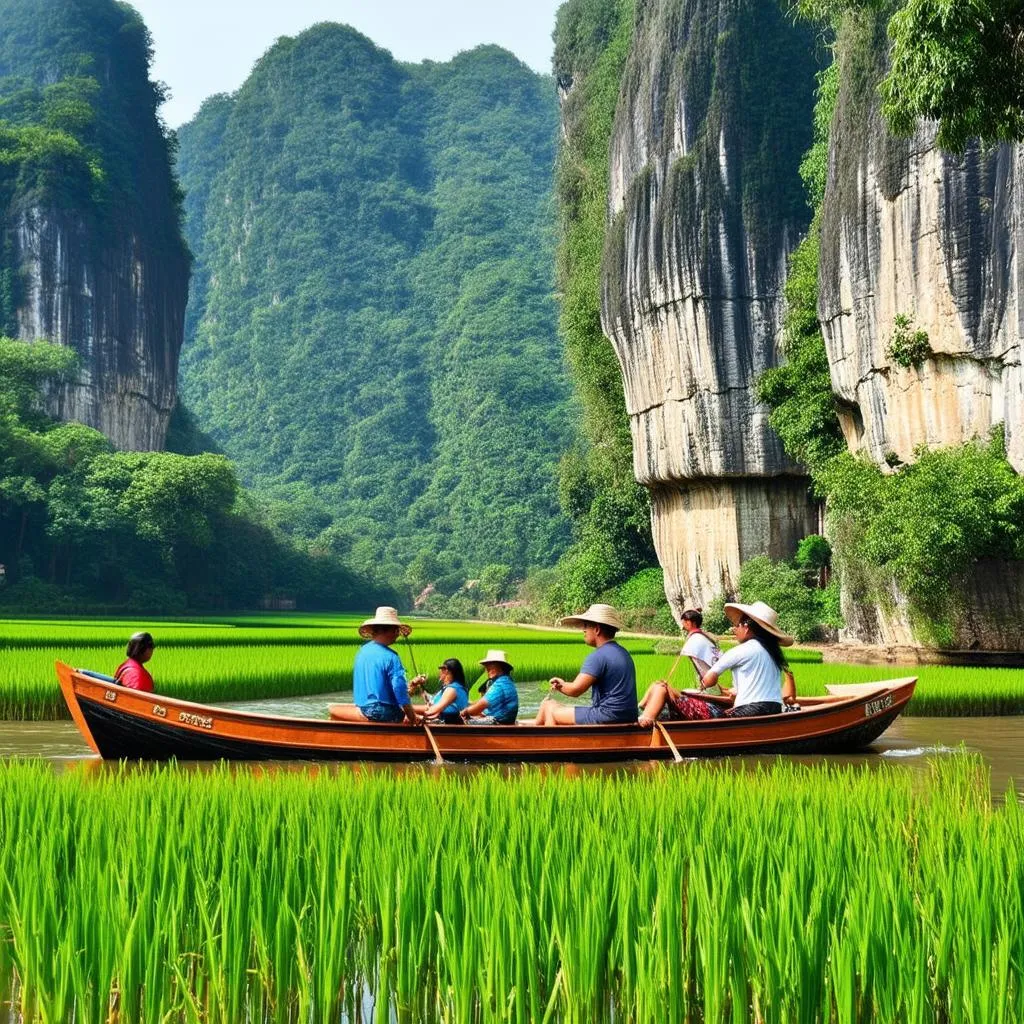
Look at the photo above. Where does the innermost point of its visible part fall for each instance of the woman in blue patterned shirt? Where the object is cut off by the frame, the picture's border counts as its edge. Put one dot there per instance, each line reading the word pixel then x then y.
pixel 499 704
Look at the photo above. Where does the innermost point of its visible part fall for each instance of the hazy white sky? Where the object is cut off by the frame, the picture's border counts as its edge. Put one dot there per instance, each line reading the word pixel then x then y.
pixel 208 46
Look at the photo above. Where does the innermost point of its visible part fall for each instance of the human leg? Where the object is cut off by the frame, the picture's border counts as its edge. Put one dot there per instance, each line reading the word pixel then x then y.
pixel 654 700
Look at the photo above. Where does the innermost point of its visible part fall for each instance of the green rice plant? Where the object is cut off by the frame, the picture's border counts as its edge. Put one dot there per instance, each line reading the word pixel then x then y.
pixel 698 892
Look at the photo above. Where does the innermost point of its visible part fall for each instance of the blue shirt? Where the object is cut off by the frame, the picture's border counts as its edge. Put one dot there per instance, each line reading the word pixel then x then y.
pixel 614 689
pixel 502 700
pixel 460 703
pixel 378 676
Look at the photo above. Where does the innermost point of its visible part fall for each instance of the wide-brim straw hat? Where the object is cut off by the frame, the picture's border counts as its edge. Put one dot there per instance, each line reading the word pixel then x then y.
pixel 602 614
pixel 763 614
pixel 496 657
pixel 385 617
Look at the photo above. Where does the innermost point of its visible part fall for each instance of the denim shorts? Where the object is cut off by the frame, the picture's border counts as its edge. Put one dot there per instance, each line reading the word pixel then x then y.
pixel 595 716
pixel 378 711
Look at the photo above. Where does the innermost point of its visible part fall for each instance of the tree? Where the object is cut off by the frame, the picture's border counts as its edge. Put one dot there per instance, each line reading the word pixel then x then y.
pixel 957 62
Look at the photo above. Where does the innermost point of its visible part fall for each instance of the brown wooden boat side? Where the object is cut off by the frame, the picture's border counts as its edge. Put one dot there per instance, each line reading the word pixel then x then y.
pixel 65 676
pixel 205 730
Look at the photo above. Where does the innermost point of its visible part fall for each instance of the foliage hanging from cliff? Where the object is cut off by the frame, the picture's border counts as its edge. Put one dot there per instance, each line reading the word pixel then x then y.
pixel 83 526
pixel 799 393
pixel 609 510
pixel 955 62
pixel 372 331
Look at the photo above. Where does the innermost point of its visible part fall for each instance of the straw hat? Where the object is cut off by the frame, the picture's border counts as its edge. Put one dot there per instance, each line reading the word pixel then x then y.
pixel 603 614
pixel 763 614
pixel 496 656
pixel 385 617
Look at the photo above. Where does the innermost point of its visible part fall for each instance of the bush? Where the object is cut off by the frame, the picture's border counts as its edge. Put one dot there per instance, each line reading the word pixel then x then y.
pixel 785 588
pixel 645 589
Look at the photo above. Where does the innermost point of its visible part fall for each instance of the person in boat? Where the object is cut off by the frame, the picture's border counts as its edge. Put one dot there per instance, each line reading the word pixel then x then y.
pixel 608 673
pixel 379 686
pixel 756 662
pixel 499 703
pixel 702 650
pixel 452 698
pixel 132 672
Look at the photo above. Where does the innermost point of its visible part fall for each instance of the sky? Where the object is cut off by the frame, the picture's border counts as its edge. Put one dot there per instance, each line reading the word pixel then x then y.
pixel 207 46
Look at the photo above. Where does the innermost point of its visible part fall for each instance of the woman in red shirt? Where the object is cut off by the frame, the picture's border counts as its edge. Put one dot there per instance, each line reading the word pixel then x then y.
pixel 132 672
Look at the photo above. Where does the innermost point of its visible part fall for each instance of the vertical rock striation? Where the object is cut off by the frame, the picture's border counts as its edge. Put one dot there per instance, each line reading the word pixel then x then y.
pixel 120 305
pixel 909 230
pixel 705 206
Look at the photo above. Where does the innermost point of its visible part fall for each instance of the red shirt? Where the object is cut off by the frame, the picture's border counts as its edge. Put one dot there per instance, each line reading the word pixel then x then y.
pixel 133 674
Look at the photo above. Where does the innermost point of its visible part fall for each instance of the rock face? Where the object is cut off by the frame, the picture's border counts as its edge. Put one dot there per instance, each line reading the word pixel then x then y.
pixel 706 204
pixel 909 230
pixel 120 305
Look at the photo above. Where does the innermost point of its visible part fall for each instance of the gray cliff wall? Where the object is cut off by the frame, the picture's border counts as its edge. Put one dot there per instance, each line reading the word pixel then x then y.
pixel 120 304
pixel 910 230
pixel 705 206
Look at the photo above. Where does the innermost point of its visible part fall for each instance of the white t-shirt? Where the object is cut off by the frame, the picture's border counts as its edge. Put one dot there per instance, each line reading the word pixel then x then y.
pixel 755 677
pixel 699 646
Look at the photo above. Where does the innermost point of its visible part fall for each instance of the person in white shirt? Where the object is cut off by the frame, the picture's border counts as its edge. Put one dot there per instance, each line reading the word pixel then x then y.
pixel 757 665
pixel 703 652
pixel 756 662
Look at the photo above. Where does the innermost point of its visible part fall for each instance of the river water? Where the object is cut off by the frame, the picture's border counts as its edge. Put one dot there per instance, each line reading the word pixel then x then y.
pixel 909 742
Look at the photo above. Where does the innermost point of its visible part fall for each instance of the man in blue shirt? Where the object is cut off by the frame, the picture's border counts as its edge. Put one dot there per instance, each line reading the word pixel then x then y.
pixel 608 673
pixel 500 703
pixel 379 686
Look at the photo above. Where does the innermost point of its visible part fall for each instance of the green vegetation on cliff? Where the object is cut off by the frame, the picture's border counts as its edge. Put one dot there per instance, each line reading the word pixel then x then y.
pixel 372 329
pixel 950 61
pixel 918 527
pixel 83 526
pixel 79 130
pixel 609 510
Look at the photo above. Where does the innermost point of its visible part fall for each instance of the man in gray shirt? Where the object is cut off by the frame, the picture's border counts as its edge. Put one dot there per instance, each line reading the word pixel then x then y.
pixel 608 673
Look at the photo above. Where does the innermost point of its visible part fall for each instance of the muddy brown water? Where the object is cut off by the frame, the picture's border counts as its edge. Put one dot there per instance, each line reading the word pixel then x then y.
pixel 909 743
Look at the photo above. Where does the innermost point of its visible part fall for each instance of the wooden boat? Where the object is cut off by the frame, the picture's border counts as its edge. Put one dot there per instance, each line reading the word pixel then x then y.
pixel 118 722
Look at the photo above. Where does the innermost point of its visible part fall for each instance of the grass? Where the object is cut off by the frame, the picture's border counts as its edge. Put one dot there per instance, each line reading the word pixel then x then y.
pixel 253 658
pixel 781 894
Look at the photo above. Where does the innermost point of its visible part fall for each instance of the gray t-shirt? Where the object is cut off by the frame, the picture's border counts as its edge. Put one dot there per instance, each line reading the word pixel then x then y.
pixel 614 689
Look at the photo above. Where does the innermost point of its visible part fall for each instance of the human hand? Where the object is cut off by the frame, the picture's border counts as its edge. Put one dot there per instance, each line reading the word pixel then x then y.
pixel 557 684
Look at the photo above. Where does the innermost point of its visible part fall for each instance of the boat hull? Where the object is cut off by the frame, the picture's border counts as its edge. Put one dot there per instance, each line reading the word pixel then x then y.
pixel 121 723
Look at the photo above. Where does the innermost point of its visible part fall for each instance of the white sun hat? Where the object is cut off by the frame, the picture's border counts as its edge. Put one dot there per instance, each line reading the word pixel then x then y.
pixel 385 617
pixel 763 614
pixel 603 614
pixel 497 657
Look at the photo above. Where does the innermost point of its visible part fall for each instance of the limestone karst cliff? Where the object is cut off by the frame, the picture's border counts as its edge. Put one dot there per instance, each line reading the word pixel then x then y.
pixel 705 206
pixel 912 233
pixel 92 255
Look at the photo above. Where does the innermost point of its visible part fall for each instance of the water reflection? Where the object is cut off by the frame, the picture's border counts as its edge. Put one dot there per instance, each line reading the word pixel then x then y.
pixel 909 743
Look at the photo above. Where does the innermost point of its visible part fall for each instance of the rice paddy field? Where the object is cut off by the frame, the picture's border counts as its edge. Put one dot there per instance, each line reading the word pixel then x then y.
pixel 257 657
pixel 695 894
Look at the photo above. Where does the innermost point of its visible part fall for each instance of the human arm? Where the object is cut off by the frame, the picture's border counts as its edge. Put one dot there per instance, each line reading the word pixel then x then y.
pixel 448 696
pixel 476 708
pixel 788 687
pixel 579 685
pixel 411 715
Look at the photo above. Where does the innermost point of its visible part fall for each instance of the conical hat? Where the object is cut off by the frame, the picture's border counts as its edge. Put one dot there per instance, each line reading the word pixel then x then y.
pixel 385 617
pixel 494 656
pixel 603 614
pixel 763 614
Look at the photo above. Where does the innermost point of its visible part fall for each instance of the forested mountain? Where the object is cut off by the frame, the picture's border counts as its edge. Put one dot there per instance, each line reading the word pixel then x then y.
pixel 371 334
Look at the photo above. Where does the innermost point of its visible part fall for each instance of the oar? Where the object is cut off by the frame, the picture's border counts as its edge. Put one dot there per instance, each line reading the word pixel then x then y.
pixel 433 743
pixel 668 739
